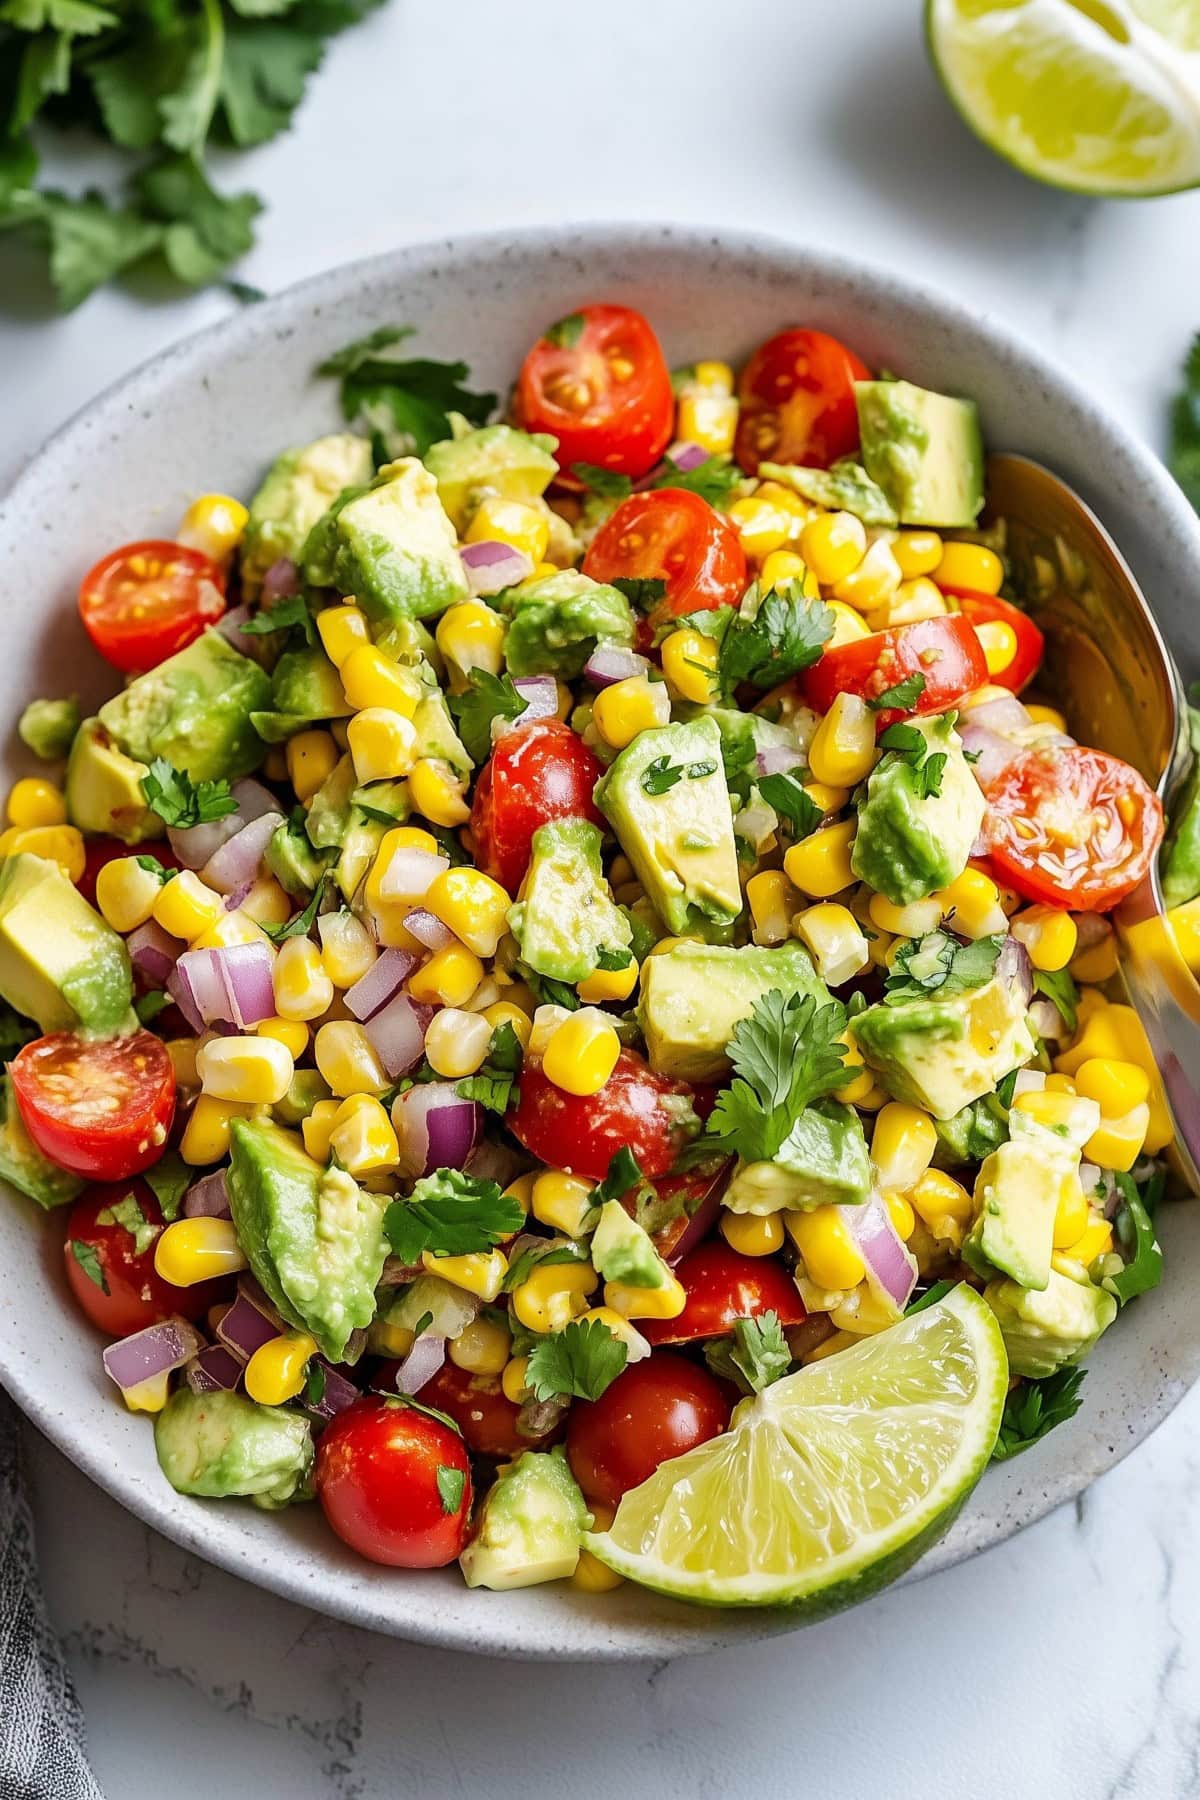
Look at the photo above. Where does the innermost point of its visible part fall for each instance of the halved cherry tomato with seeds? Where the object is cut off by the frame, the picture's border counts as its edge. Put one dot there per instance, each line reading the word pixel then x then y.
pixel 945 652
pixel 599 383
pixel 117 1247
pixel 674 536
pixel 143 602
pixel 987 609
pixel 797 402
pixel 536 773
pixel 100 1107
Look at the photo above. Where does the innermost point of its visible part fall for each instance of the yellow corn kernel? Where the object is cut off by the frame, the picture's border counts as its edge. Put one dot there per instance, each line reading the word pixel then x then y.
pixel 609 984
pixel 371 679
pixel 291 1033
pixel 1119 1142
pixel 1049 935
pixel 275 765
pixel 781 565
pixel 312 757
pixel 266 903
pixel 689 662
pixel 457 1042
pixel 276 1372
pixel 506 1012
pixel 449 978
pixel 943 1203
pixel 1054 1110
pixel 471 636
pixel 917 552
pixel 182 1052
pixel 820 865
pixel 347 948
pixel 999 642
pixel 512 1380
pixel 899 1211
pixel 193 1250
pixel 482 1348
pixel 473 906
pixel 1046 715
pixel 829 799
pixel 582 1053
pixel 125 893
pixel 842 752
pixel 902 1145
pixel 911 602
pixel 913 920
pixel 763 525
pixel 1096 1241
pixel 512 522
pixel 213 523
pixel 546 1021
pixel 1098 962
pixel 1059 1084
pixel 346 1057
pixel 665 1302
pixel 971 905
pixel 1114 1085
pixel 362 1138
pixel 185 907
pixel 254 1070
pixel 317 1129
pixel 772 900
pixel 552 1297
pixel 874 583
pixel 303 990
pixel 230 928
pixel 862 1084
pixel 833 544
pixel 753 1234
pixel 848 626
pixel 481 1274
pixel 838 945
pixel 342 629
pixel 149 1396
pixel 706 377
pixel 35 801
pixel 1185 923
pixel 561 1201
pixel 628 707
pixel 383 744
pixel 831 1257
pixel 437 793
pixel 1072 1214
pixel 61 844
pixel 591 1576
pixel 707 419
pixel 970 566
pixel 206 1135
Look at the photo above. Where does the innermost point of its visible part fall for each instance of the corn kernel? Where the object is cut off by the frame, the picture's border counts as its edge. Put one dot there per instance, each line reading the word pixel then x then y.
pixel 254 1070
pixel 628 707
pixel 506 1012
pixel 291 1033
pixel 193 1250
pixel 848 626
pixel 317 1129
pixel 917 552
pixel 266 903
pixel 971 905
pixel 582 1053
pixel 772 900
pixel 1049 935
pixel 472 905
pixel 913 920
pixel 842 752
pixel 512 1380
pixel 185 907
pixel 561 1201
pixel 664 1302
pixel 471 636
pixel 383 744
pixel 1046 715
pixel 1114 1085
pixel 764 524
pixel 457 1042
pixel 1119 1142
pixel 689 661
pixel 874 583
pixel 341 630
pixel 831 932
pixel 303 990
pixel 230 928
pixel 829 799
pixel 911 602
pixel 278 1369
pixel 943 1204
pixel 824 1240
pixel 753 1234
pixel 347 1059
pixel 1072 1214
pixel 150 1395
pixel 363 1138
pixel 372 680
pixel 61 844
pixel 312 757
pixel 999 642
pixel 546 1021
pixel 833 545
pixel 214 524
pixel 449 978
pixel 125 893
pixel 482 1348
pixel 1098 962
pixel 437 793
pixel 1054 1084
pixel 552 1297
pixel 863 1312
pixel 1096 1241
pixel 707 419
pixel 902 1145
pixel 970 566
pixel 1057 1111
pixel 781 565
pixel 512 522
pixel 481 1274
pixel 206 1135
pixel 35 801
pixel 820 864
pixel 899 1211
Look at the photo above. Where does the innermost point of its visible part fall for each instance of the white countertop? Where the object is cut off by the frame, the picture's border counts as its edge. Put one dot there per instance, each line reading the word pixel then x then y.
pixel 1063 1664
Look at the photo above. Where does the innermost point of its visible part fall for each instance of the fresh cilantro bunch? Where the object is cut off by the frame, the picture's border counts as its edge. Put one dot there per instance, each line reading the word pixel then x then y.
pixel 580 1361
pixel 938 965
pixel 788 1053
pixel 164 80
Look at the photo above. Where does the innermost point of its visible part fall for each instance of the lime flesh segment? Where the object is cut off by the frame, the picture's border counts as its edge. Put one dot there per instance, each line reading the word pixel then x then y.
pixel 831 1482
pixel 1101 96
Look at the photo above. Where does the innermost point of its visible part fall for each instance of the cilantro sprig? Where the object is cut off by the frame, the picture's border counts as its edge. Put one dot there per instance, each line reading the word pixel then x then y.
pixel 182 802
pixel 755 1356
pixel 451 1214
pixel 286 615
pixel 492 1083
pixel 87 1258
pixel 772 637
pixel 405 402
pixel 1136 1238
pixel 487 697
pixel 580 1361
pixel 303 922
pixel 1058 986
pixel 787 796
pixel 785 1055
pixel 1035 1408
pixel 713 479
pixel 903 696
pixel 908 744
pixel 940 965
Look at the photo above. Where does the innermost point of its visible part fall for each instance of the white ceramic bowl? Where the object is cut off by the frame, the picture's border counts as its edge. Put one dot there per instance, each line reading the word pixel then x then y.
pixel 212 413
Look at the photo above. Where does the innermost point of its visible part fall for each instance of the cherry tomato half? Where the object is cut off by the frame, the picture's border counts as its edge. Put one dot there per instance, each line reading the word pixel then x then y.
pixel 101 1108
pixel 479 1407
pixel 378 1469
pixel 635 1107
pixel 723 1286
pixel 946 653
pixel 119 1247
pixel 982 609
pixel 655 1409
pixel 101 850
pixel 536 773
pixel 674 536
pixel 599 382
pixel 1072 827
pixel 143 602
pixel 797 401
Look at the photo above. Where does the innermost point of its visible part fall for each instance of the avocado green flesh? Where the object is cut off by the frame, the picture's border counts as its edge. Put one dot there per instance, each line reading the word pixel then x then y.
pixel 495 461
pixel 1016 1195
pixel 390 545
pixel 1049 1328
pixel 910 844
pixel 22 1163
pixel 557 622
pixel 194 710
pixel 823 1161
pixel 531 1526
pixel 297 489
pixel 221 1444
pixel 943 1054
pixel 1181 852
pixel 693 995
pixel 59 962
pixel 622 1251
pixel 104 789
pixel 924 450
pixel 566 915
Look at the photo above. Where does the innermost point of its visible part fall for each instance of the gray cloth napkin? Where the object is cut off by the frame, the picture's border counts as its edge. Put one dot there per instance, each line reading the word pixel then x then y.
pixel 42 1754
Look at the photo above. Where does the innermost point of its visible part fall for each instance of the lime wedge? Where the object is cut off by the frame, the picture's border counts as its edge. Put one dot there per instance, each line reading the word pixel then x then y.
pixel 830 1483
pixel 1102 96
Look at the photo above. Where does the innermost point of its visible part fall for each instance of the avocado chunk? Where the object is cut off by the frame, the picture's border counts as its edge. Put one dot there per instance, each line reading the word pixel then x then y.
pixel 221 1444
pixel 22 1163
pixel 911 842
pixel 298 488
pixel 1017 1192
pixel 194 710
pixel 104 789
pixel 59 962
pixel 305 688
pixel 924 450
pixel 495 461
pixel 567 919
pixel 844 486
pixel 531 1525
pixel 942 1054
pixel 693 995
pixel 823 1161
pixel 677 828
pixel 48 727
pixel 972 1133
pixel 622 1251
pixel 447 1309
pixel 313 1237
pixel 743 735
pixel 390 545
pixel 557 622
pixel 335 823
pixel 1046 1329
pixel 292 861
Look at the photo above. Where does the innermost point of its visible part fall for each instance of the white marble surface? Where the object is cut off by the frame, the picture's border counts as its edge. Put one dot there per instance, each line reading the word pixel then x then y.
pixel 1063 1664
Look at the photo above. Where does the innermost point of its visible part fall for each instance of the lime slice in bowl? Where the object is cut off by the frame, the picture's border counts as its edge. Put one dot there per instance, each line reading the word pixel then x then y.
pixel 1102 96
pixel 832 1481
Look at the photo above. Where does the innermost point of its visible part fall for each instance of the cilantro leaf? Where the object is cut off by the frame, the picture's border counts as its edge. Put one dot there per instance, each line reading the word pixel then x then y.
pixel 1136 1240
pixel 755 1356
pixel 451 1214
pixel 907 744
pixel 492 1083
pixel 168 1180
pixel 128 1213
pixel 939 964
pixel 642 591
pixel 550 992
pixel 153 867
pixel 1059 987
pixel 785 1055
pixel 659 776
pixel 406 403
pixel 564 334
pixel 314 1383
pixel 778 636
pixel 450 1485
pixel 487 697
pixel 612 960
pixel 624 1173
pixel 282 617
pixel 303 922
pixel 148 1006
pixel 713 479
pixel 203 230
pixel 904 695
pixel 580 1361
pixel 533 1257
pixel 786 795
pixel 1183 458
pixel 377 815
pixel 179 801
pixel 1035 1408
pixel 85 1255
pixel 610 484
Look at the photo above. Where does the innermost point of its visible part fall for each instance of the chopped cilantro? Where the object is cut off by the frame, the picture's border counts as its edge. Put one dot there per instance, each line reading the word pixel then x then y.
pixel 449 1213
pixel 580 1361
pixel 534 1257
pixel 612 960
pixel 148 1006
pixel 487 697
pixel 610 484
pixel 1059 987
pixel 303 922
pixel 1136 1240
pixel 659 776
pixel 85 1255
pixel 168 1180
pixel 713 479
pixel 755 1356
pixel 179 801
pixel 492 1083
pixel 939 964
pixel 903 696
pixel 773 637
pixel 642 591
pixel 405 404
pixel 785 1055
pixel 786 795
pixel 1035 1408
pixel 450 1485
pixel 153 867
pixel 566 333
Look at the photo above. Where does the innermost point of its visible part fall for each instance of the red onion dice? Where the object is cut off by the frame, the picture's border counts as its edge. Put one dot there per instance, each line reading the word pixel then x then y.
pixel 397 1033
pixel 248 1325
pixel 1014 969
pixel 410 873
pixel 154 952
pixel 195 845
pixel 236 864
pixel 232 985
pixel 213 1369
pixel 687 456
pixel 155 1351
pixel 436 1129
pixel 428 930
pixel 777 759
pixel 280 582
pixel 491 567
pixel 207 1198
pixel 386 976
pixel 337 1394
pixel 610 663
pixel 890 1267
pixel 421 1364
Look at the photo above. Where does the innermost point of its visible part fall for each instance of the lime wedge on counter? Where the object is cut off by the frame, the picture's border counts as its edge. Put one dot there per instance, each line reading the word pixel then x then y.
pixel 1102 96
pixel 831 1482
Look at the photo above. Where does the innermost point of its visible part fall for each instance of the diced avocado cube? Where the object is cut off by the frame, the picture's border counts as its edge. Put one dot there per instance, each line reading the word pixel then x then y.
pixel 924 450
pixel 743 735
pixel 305 682
pixel 823 1161
pixel 493 461
pixel 622 1251
pixel 194 710
pixel 693 995
pixel 47 727
pixel 844 487
pixel 436 736
pixel 298 488
pixel 1017 1194
pixel 910 843
pixel 221 1444
pixel 313 1237
pixel 972 1133
pixel 22 1163
pixel 567 915
pixel 448 1310
pixel 104 789
pixel 290 858
pixel 328 818
pixel 307 1088
pixel 557 622
pixel 1046 1329
pixel 390 545
pixel 677 829
pixel 531 1525
pixel 59 962
pixel 942 1054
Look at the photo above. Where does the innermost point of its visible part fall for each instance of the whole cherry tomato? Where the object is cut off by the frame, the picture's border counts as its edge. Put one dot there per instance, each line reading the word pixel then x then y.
pixel 634 1108
pixel 945 653
pixel 101 850
pixel 599 383
pixel 536 773
pixel 655 1409
pixel 109 1257
pixel 723 1286
pixel 99 1107
pixel 395 1483
pixel 478 1405
pixel 797 401
pixel 674 536
pixel 984 609
pixel 143 602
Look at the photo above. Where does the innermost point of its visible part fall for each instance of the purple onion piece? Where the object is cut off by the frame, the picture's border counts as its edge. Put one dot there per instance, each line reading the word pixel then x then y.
pixel 410 873
pixel 1014 969
pixel 247 1326
pixel 436 1129
pixel 236 863
pixel 280 582
pixel 195 845
pixel 154 952
pixel 687 456
pixel 428 930
pixel 397 1033
pixel 207 1198
pixel 491 567
pixel 421 1364
pixel 496 1162
pixel 890 1267
pixel 610 663
pixel 778 759
pixel 337 1395
pixel 386 976
pixel 214 1368
pixel 232 985
pixel 155 1351
pixel 993 753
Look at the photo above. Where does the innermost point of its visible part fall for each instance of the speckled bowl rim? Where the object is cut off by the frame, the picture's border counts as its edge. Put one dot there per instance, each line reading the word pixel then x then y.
pixel 635 1625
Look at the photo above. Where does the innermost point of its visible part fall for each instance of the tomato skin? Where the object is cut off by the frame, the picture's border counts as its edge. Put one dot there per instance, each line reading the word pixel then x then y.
pixel 607 397
pixel 479 1407
pixel 674 536
pixel 376 1473
pixel 536 773
pixel 797 401
pixel 137 1295
pixel 1042 788
pixel 101 1108
pixel 655 1409
pixel 143 602
pixel 945 651
pixel 583 1135
pixel 1031 645
pixel 100 851
pixel 722 1286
